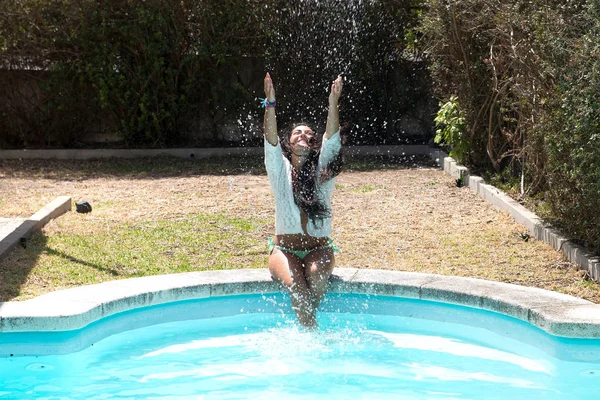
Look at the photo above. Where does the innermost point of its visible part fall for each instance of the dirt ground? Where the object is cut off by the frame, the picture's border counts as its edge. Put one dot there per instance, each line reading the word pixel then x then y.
pixel 396 217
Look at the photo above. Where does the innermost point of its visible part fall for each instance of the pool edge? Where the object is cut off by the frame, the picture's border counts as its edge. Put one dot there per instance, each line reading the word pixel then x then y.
pixel 557 314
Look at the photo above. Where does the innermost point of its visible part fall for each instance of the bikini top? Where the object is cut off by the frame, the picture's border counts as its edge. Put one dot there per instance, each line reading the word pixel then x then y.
pixel 279 171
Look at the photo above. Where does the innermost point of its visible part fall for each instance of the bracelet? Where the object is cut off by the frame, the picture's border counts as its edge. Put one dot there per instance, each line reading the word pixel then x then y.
pixel 266 103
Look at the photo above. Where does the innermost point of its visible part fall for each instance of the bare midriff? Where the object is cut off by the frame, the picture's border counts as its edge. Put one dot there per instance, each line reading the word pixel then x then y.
pixel 300 241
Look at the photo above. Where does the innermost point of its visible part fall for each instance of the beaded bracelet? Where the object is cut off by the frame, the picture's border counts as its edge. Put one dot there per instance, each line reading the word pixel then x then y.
pixel 266 103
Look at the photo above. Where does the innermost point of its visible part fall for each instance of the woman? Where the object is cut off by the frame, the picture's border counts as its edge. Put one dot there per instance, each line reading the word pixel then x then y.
pixel 302 167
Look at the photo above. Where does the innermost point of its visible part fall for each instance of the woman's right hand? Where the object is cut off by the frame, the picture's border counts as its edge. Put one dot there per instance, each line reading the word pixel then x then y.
pixel 269 88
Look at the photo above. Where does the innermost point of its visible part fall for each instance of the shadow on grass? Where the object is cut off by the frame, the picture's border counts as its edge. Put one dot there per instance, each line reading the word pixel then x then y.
pixel 17 265
pixel 76 260
pixel 166 167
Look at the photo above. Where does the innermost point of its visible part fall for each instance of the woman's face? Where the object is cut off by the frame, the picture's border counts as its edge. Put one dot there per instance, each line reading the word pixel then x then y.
pixel 302 138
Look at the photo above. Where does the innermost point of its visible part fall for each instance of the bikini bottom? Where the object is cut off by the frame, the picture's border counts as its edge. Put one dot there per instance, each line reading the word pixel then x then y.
pixel 303 253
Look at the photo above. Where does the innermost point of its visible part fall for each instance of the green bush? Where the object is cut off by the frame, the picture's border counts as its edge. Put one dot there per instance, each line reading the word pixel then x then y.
pixel 526 76
pixel 142 69
pixel 486 53
pixel 133 60
pixel 154 66
pixel 451 129
pixel 573 143
pixel 156 71
pixel 40 100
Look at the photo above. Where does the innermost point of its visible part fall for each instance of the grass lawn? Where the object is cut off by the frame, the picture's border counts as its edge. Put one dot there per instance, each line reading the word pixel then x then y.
pixel 170 215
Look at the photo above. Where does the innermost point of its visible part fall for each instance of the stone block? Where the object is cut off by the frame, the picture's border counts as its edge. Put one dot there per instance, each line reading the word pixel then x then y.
pixel 594 269
pixel 474 182
pixel 504 202
pixel 453 169
pixel 52 210
pixel 463 174
pixel 437 156
pixel 489 193
pixel 578 255
pixel 13 233
pixel 519 213
pixel 13 238
pixel 550 235
pixel 448 163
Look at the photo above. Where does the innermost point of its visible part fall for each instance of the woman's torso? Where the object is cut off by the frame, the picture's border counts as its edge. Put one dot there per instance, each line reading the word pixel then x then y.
pixel 293 230
pixel 300 241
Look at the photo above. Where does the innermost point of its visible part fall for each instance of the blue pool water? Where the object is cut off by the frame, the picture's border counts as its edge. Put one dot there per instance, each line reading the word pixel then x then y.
pixel 250 347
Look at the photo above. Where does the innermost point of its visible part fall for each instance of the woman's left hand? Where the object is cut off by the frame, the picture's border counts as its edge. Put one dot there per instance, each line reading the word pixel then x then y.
pixel 336 91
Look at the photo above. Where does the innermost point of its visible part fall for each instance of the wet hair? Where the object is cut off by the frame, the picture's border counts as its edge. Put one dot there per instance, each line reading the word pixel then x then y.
pixel 304 182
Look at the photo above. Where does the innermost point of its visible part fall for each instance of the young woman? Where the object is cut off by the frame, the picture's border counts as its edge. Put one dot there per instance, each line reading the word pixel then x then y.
pixel 302 166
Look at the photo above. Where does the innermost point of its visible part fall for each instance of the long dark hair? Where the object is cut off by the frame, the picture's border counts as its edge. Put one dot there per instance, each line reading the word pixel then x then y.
pixel 304 182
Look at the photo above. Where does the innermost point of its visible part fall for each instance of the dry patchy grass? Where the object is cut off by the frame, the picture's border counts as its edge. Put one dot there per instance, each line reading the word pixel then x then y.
pixel 396 218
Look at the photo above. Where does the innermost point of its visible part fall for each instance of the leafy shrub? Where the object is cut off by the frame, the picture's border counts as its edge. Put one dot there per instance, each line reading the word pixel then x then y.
pixel 40 100
pixel 155 65
pixel 451 129
pixel 154 71
pixel 573 142
pixel 133 60
pixel 483 52
pixel 526 76
pixel 143 69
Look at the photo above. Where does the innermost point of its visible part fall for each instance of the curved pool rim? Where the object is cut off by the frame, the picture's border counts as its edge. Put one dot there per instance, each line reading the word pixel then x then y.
pixel 71 309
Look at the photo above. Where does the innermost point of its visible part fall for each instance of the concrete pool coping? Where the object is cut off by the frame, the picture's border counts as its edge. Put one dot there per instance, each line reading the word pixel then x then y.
pixel 71 309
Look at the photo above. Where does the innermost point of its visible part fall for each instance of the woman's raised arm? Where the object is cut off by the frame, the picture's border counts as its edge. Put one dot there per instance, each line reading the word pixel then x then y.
pixel 270 123
pixel 333 116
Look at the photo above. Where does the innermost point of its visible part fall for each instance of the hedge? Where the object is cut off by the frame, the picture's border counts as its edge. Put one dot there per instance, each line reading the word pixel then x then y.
pixel 150 70
pixel 525 77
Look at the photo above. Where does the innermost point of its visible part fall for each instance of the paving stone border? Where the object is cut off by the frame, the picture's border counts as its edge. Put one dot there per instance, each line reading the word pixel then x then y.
pixel 557 314
pixel 19 229
pixel 575 253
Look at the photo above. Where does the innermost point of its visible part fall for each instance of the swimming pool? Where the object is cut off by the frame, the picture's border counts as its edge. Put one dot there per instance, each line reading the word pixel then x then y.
pixel 248 346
